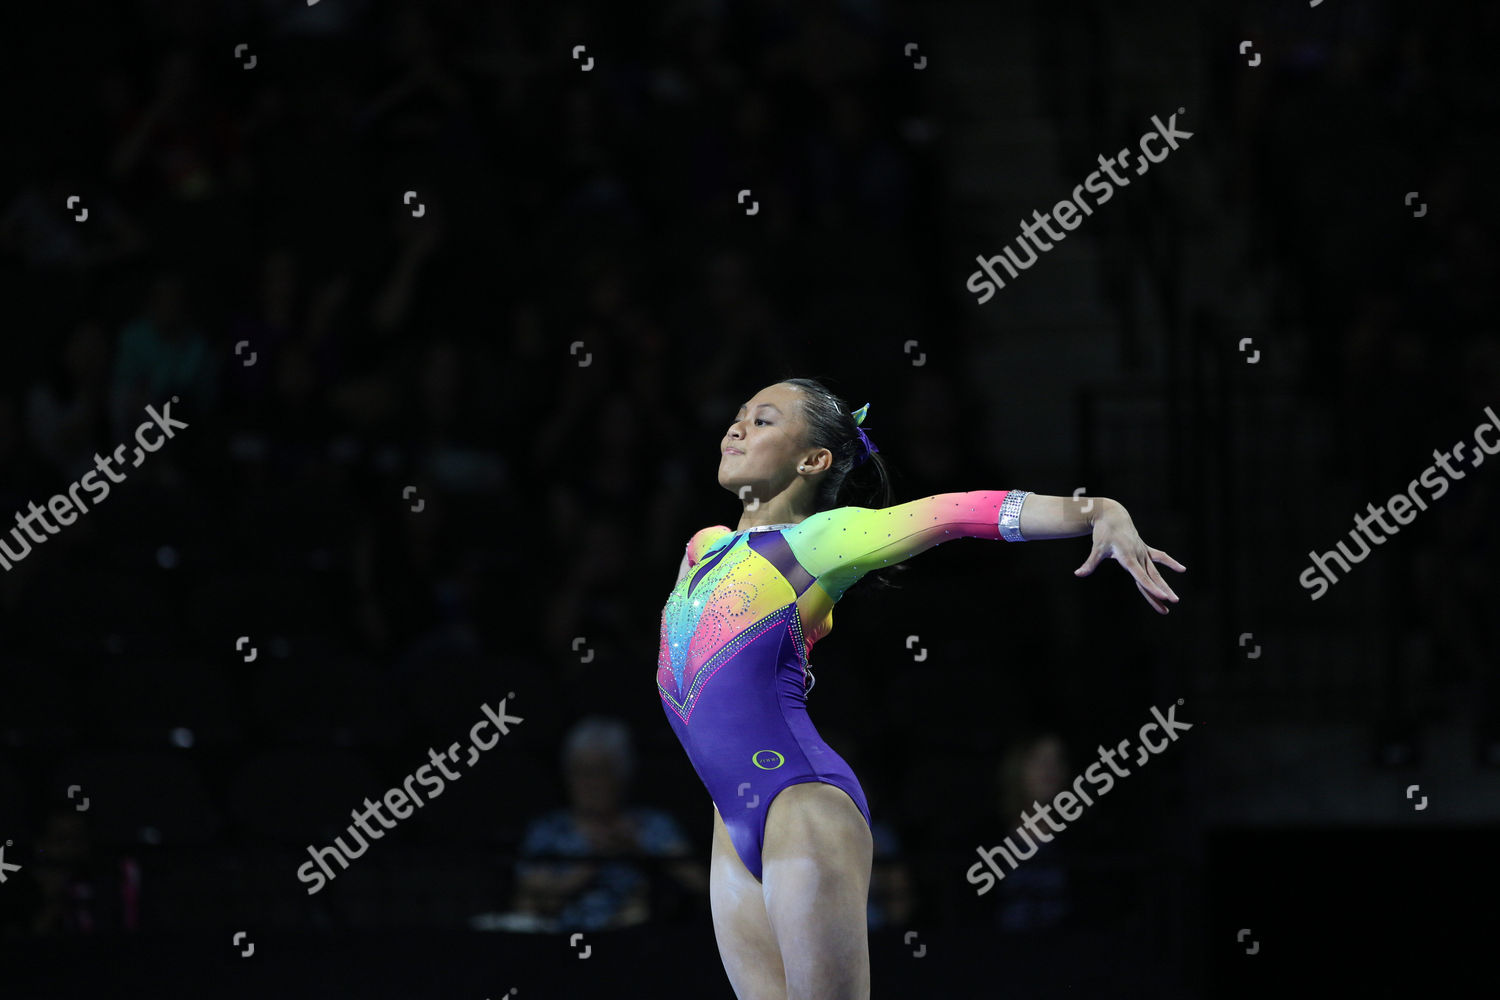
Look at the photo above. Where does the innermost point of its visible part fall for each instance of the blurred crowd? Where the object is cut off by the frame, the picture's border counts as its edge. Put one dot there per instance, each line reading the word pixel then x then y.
pixel 431 295
pixel 1361 154
pixel 457 320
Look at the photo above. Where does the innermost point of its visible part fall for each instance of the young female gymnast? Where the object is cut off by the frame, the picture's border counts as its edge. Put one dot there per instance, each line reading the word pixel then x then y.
pixel 790 867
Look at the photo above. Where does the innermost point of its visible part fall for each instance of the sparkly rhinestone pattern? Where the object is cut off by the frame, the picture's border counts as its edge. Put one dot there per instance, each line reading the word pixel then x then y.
pixel 711 617
pixel 1010 515
pixel 703 674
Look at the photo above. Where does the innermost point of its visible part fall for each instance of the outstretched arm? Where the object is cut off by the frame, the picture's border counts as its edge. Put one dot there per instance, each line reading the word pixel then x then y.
pixel 839 546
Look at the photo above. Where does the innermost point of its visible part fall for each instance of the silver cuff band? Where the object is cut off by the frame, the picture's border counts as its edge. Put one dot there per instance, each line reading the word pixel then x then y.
pixel 1010 515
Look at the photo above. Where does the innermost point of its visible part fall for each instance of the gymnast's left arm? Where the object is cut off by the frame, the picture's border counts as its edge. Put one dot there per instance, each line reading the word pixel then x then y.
pixel 839 546
pixel 1114 536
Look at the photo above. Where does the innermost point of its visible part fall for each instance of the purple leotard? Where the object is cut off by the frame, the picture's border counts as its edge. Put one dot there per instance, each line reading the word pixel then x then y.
pixel 737 629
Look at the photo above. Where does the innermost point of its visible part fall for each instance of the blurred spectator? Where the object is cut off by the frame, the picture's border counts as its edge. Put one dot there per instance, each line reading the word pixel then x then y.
pixel 414 588
pixel 43 226
pixel 594 895
pixel 66 409
pixel 1036 895
pixel 160 354
pixel 1451 579
pixel 858 178
pixel 724 325
pixel 65 889
pixel 890 902
pixel 185 144
pixel 269 321
pixel 23 474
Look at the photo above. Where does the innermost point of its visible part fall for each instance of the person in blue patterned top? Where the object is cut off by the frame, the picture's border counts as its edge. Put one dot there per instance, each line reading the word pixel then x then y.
pixel 586 896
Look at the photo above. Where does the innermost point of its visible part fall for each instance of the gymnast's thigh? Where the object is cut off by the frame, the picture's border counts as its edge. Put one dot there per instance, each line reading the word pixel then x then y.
pixel 747 944
pixel 816 859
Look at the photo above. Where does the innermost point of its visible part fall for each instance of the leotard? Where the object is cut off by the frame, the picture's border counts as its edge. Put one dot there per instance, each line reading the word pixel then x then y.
pixel 738 627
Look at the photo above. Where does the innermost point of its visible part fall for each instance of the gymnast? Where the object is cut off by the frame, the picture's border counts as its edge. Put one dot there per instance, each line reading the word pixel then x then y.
pixel 789 873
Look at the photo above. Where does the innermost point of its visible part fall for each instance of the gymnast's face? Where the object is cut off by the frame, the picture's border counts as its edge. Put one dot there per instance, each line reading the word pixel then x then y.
pixel 765 443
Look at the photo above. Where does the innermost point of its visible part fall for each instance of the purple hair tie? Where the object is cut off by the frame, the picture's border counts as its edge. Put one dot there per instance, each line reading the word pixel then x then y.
pixel 867 446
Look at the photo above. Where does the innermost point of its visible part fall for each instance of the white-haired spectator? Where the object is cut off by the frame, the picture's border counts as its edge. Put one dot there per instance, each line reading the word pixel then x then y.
pixel 598 760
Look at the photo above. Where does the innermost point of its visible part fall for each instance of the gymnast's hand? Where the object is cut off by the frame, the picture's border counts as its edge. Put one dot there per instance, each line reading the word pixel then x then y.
pixel 1115 537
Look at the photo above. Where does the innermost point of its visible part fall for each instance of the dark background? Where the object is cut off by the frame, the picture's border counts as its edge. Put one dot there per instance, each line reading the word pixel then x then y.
pixel 563 206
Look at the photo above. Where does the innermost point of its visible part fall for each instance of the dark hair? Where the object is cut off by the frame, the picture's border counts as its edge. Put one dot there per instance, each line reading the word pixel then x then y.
pixel 848 482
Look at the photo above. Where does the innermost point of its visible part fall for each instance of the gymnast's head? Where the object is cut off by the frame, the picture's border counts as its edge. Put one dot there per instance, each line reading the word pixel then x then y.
pixel 795 449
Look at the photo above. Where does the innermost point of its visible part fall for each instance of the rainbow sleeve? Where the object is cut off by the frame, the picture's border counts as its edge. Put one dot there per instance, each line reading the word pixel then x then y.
pixel 841 545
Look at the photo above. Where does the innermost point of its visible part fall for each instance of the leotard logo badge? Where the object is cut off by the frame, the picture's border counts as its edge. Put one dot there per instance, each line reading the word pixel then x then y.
pixel 760 755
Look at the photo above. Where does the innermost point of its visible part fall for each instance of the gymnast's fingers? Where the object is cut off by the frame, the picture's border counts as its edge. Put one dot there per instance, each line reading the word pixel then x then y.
pixel 1149 598
pixel 1159 556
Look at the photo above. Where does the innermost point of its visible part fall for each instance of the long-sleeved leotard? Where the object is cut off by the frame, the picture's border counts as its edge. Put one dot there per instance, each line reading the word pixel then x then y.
pixel 737 629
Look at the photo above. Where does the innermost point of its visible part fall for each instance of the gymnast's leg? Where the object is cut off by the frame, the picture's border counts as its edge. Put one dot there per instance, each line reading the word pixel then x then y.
pixel 816 872
pixel 747 944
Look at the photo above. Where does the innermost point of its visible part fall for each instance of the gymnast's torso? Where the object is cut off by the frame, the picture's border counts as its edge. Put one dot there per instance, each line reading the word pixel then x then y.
pixel 739 626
